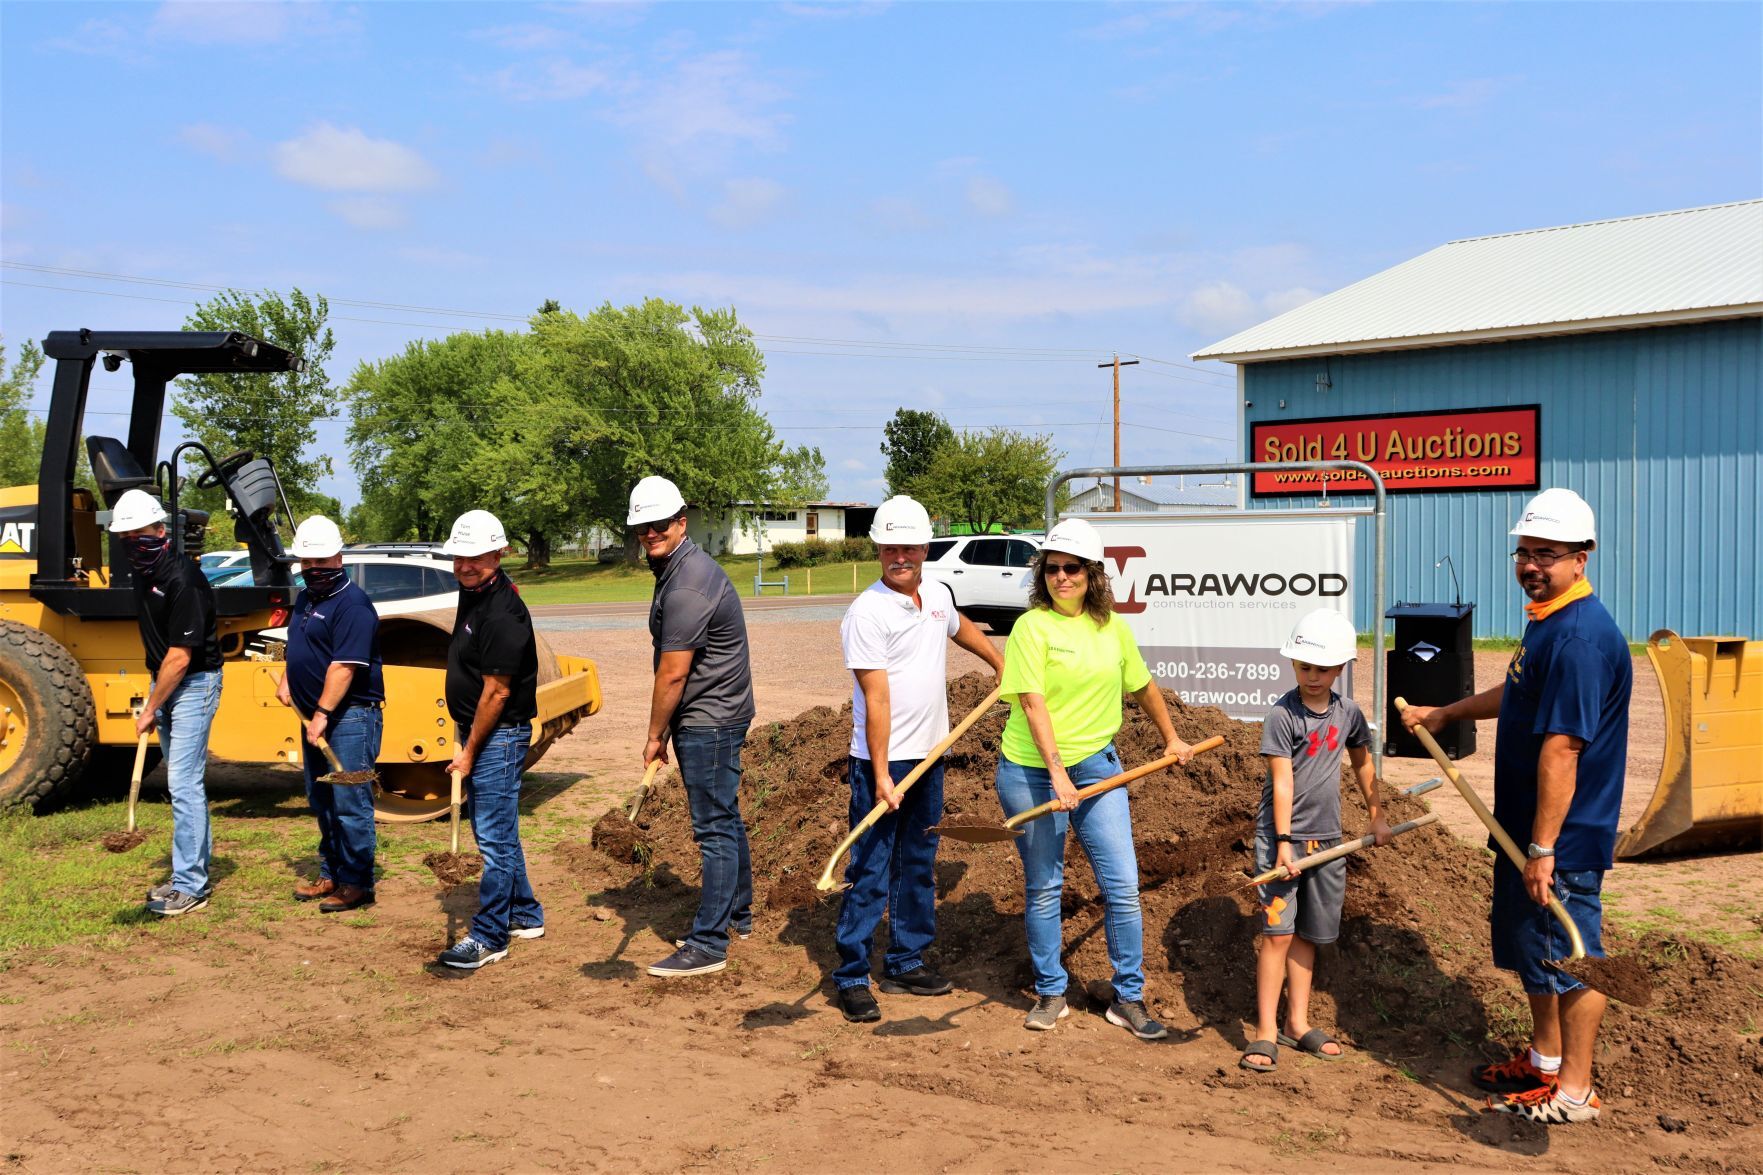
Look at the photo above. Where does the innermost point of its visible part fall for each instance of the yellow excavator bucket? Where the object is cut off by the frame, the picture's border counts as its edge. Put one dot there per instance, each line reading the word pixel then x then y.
pixel 1710 792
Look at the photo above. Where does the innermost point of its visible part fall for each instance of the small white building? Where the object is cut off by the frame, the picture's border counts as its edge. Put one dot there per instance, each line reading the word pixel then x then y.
pixel 1153 495
pixel 741 528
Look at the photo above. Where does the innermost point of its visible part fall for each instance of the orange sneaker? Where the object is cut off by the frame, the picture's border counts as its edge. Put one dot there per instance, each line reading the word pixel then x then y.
pixel 1516 1075
pixel 1545 1105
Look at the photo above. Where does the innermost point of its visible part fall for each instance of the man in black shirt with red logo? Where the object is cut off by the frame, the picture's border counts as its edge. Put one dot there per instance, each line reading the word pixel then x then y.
pixel 175 607
pixel 492 684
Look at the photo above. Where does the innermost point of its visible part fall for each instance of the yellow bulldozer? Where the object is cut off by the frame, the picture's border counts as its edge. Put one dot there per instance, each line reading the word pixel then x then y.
pixel 72 672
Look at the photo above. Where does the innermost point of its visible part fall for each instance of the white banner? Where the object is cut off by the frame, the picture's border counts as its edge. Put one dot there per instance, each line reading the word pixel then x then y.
pixel 1212 599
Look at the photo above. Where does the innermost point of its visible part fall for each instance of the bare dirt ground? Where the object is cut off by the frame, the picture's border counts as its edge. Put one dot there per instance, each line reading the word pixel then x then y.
pixel 314 1044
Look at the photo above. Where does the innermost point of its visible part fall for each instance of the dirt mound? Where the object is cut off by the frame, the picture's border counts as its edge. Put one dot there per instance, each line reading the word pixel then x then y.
pixel 1410 978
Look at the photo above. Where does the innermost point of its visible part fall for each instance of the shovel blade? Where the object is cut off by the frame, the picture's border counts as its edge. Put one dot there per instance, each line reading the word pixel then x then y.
pixel 1621 979
pixel 349 778
pixel 975 834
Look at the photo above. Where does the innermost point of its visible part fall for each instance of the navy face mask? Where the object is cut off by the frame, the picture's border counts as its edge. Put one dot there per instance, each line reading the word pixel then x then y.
pixel 146 552
pixel 324 581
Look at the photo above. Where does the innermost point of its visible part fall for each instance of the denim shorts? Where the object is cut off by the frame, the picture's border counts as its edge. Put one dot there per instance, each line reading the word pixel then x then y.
pixel 1526 935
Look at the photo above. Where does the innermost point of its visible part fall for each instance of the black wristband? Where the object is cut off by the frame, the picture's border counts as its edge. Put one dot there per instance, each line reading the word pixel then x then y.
pixel 321 710
pixel 1284 838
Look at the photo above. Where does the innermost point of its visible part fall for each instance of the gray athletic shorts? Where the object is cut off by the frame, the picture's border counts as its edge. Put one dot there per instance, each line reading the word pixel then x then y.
pixel 1309 904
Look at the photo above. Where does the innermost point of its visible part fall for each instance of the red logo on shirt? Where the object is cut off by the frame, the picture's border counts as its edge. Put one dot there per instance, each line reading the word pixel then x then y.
pixel 939 614
pixel 1334 740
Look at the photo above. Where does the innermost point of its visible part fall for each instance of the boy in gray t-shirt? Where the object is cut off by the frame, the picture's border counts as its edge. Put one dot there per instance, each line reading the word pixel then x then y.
pixel 1302 739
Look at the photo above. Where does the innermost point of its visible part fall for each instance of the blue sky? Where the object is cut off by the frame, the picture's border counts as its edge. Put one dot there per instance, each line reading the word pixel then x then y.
pixel 965 206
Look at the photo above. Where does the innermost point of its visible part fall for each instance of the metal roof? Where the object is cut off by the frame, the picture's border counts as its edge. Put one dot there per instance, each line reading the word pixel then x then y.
pixel 1170 491
pixel 1687 266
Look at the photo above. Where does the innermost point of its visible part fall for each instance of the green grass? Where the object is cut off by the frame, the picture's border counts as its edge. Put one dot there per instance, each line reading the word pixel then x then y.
pixel 583 582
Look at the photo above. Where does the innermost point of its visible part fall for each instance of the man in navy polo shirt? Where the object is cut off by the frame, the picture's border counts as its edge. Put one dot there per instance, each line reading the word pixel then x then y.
pixel 334 681
pixel 1560 754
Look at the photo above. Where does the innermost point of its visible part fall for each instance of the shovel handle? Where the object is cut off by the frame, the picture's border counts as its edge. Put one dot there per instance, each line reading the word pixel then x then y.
pixel 1481 811
pixel 876 813
pixel 323 745
pixel 135 778
pixel 1113 781
pixel 1340 850
pixel 457 780
pixel 643 788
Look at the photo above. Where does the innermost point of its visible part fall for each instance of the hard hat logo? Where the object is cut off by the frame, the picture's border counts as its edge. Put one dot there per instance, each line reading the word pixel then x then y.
pixel 1323 637
pixel 476 532
pixel 1559 515
pixel 653 499
pixel 317 538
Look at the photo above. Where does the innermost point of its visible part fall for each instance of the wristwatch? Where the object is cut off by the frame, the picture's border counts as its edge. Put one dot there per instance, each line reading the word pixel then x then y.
pixel 1537 850
pixel 1284 838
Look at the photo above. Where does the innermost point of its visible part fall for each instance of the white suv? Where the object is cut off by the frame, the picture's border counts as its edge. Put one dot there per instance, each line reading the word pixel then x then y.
pixel 988 574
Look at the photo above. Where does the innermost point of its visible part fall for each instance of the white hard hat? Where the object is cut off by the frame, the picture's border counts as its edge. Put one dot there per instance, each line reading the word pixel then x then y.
pixel 1324 637
pixel 475 532
pixel 317 538
pixel 134 510
pixel 1074 536
pixel 901 522
pixel 1557 514
pixel 653 499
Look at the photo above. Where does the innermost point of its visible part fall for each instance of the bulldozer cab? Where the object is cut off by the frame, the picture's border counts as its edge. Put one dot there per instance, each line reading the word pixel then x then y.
pixel 64 524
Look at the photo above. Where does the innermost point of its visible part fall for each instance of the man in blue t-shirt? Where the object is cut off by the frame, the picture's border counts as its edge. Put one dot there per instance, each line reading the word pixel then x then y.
pixel 1559 759
pixel 334 681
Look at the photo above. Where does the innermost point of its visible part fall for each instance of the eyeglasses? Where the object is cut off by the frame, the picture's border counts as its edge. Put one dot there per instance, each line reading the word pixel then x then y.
pixel 643 528
pixel 1543 559
pixel 1068 569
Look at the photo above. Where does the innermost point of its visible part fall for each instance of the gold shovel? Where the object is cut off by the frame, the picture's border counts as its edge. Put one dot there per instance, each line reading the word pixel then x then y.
pixel 643 789
pixel 1348 847
pixel 336 776
pixel 826 881
pixel 987 832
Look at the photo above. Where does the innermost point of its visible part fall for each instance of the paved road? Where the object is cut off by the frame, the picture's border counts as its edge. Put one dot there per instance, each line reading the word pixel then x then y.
pixel 635 613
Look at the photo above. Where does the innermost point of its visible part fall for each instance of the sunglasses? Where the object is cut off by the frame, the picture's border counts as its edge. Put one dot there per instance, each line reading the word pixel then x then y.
pixel 1068 569
pixel 643 528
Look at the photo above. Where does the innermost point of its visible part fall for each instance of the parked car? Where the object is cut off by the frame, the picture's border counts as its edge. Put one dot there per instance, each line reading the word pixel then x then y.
pixel 397 585
pixel 215 564
pixel 988 574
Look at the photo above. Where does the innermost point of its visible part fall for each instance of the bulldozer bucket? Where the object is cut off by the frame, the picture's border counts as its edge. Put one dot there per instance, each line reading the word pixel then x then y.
pixel 1710 792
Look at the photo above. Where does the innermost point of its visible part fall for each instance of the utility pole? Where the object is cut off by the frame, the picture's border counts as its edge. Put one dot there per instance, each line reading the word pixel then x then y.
pixel 1117 364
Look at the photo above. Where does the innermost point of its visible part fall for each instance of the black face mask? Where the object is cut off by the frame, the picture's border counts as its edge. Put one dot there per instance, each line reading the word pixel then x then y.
pixel 146 553
pixel 324 581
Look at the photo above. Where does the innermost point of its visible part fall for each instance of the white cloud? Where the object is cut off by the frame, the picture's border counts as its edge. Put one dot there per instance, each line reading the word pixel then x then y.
pixel 853 465
pixel 370 213
pixel 1218 307
pixel 989 197
pixel 225 143
pixel 256 22
pixel 554 80
pixel 747 202
pixel 1281 301
pixel 99 37
pixel 714 98
pixel 345 159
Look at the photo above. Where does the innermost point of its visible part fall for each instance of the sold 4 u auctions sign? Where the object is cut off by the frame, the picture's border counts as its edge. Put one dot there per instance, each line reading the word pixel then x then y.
pixel 1474 449
pixel 1210 600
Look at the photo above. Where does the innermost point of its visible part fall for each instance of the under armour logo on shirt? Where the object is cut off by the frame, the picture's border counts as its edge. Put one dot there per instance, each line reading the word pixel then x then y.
pixel 1334 740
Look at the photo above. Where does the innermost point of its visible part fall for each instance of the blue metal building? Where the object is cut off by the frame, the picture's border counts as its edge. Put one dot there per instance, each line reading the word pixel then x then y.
pixel 1640 341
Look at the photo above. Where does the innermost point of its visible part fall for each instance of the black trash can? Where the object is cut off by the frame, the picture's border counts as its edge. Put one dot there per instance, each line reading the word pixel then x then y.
pixel 1432 664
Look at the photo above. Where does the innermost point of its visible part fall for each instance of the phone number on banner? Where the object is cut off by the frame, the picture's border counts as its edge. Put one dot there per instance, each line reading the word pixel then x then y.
pixel 1216 670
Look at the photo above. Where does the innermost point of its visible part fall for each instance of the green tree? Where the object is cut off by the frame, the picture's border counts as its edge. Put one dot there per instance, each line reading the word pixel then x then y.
pixel 912 439
pixel 270 414
pixel 21 434
pixel 989 478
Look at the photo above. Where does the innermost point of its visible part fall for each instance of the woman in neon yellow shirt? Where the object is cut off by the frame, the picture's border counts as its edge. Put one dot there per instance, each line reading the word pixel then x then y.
pixel 1069 660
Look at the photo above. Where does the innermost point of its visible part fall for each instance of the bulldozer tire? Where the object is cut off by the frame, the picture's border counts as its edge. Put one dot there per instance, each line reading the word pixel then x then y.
pixel 48 721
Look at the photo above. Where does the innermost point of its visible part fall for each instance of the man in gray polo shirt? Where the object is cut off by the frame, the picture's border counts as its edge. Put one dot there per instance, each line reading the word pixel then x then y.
pixel 703 703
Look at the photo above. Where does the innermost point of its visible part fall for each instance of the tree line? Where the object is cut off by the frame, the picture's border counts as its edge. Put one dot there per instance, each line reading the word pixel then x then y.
pixel 547 427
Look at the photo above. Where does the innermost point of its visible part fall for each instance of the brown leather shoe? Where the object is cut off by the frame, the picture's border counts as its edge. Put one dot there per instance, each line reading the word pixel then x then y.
pixel 309 891
pixel 347 897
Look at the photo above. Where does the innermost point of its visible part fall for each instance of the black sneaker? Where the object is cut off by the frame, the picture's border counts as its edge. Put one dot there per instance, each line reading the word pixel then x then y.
pixel 918 981
pixel 688 960
pixel 468 954
pixel 177 902
pixel 1131 1015
pixel 858 1004
pixel 526 930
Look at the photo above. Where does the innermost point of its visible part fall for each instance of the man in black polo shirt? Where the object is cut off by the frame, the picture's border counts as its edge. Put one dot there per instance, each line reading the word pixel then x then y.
pixel 492 686
pixel 702 703
pixel 334 681
pixel 175 607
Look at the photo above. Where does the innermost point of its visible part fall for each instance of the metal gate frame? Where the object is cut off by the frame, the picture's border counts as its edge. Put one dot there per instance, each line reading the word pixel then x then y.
pixel 1379 556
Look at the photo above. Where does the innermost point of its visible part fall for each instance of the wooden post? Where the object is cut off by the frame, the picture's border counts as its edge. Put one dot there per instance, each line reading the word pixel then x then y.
pixel 1117 365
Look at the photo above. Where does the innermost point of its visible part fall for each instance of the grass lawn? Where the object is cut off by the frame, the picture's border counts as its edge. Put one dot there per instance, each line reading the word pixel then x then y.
pixel 579 581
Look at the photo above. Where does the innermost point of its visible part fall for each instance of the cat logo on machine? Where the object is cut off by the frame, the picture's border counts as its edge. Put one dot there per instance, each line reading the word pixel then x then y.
pixel 16 538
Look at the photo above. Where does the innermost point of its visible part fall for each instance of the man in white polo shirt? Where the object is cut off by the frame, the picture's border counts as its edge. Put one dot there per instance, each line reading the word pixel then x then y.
pixel 895 638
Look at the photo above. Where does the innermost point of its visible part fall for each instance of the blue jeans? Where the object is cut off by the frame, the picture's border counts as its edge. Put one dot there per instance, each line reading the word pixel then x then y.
pixel 504 894
pixel 892 867
pixel 345 814
pixel 709 760
pixel 183 740
pixel 1104 829
pixel 1525 935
